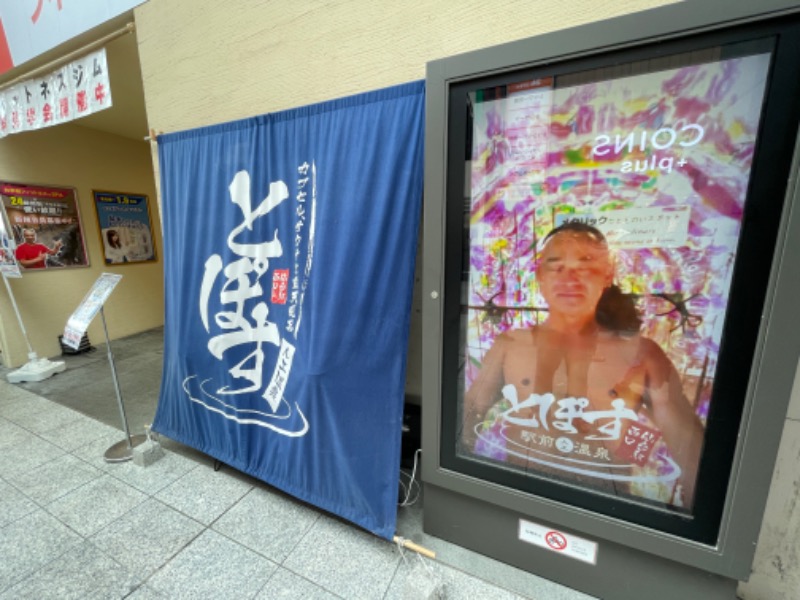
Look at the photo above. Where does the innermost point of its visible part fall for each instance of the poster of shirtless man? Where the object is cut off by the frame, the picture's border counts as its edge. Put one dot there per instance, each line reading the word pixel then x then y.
pixel 604 218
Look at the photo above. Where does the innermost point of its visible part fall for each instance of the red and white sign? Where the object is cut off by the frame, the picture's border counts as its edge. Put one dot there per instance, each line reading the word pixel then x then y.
pixel 29 28
pixel 72 91
pixel 280 285
pixel 637 443
pixel 558 541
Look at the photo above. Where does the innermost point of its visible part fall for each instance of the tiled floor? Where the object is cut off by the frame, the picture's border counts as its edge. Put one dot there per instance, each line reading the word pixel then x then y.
pixel 74 526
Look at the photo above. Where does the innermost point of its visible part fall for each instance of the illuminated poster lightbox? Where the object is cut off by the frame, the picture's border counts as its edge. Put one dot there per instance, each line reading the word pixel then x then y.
pixel 602 213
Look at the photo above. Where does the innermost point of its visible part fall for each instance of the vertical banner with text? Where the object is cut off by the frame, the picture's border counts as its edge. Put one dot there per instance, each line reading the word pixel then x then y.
pixel 289 244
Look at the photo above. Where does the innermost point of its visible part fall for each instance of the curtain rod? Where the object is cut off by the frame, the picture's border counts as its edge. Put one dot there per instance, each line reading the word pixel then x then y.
pixel 129 28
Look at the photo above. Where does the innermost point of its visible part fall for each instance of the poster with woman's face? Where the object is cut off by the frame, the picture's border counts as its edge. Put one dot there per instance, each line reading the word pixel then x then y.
pixel 604 216
pixel 126 231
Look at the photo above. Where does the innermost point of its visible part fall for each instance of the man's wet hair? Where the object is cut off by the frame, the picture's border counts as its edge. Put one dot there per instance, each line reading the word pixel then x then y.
pixel 577 227
pixel 615 310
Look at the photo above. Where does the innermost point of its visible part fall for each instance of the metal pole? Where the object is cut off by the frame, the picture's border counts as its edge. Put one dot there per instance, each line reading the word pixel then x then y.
pixel 121 451
pixel 31 353
pixel 116 381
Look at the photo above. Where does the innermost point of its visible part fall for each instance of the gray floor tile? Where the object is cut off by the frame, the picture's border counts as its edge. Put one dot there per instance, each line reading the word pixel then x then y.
pixel 28 454
pixel 285 585
pixel 13 504
pixel 155 477
pixel 9 391
pixel 145 592
pixel 121 510
pixel 44 419
pixel 15 401
pixel 11 433
pixel 78 433
pixel 81 573
pixel 77 388
pixel 151 479
pixel 415 580
pixel 346 560
pixel 147 536
pixel 54 479
pixel 96 504
pixel 29 543
pixel 213 567
pixel 204 494
pixel 268 522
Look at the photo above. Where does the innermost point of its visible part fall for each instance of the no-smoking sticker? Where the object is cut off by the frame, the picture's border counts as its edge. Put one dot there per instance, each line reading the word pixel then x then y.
pixel 565 544
pixel 555 540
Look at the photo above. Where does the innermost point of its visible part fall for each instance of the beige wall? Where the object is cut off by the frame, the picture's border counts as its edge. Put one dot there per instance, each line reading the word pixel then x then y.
pixel 206 61
pixel 73 156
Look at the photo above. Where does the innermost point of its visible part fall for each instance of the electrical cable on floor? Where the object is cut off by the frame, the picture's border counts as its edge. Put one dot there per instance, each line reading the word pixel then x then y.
pixel 412 483
pixel 421 582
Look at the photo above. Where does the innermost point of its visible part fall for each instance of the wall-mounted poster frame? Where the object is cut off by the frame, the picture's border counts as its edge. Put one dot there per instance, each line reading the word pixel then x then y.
pixel 125 227
pixel 46 224
pixel 661 145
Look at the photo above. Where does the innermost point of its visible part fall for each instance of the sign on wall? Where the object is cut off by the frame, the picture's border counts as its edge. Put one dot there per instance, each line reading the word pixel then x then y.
pixel 126 232
pixel 72 91
pixel 46 226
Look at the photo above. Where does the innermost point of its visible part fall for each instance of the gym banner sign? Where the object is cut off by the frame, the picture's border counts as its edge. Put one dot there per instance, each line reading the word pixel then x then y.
pixel 77 89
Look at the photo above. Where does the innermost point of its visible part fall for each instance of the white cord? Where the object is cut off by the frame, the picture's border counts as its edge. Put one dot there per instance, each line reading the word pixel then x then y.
pixel 407 491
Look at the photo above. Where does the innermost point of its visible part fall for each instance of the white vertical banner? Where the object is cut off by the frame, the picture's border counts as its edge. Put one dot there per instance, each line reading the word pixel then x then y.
pixel 15 119
pixel 72 91
pixel 59 87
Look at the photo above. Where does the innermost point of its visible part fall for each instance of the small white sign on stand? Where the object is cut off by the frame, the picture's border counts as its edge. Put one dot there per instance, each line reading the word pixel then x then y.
pixel 91 304
pixel 77 325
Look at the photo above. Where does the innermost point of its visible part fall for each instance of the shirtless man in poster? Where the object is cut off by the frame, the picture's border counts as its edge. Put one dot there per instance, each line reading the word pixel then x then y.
pixel 589 352
pixel 31 254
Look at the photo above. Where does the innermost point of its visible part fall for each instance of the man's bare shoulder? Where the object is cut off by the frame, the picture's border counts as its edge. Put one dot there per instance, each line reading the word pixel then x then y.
pixel 651 349
pixel 658 363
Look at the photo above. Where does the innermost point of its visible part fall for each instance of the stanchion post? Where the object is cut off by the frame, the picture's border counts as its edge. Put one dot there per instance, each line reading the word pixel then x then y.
pixel 121 451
